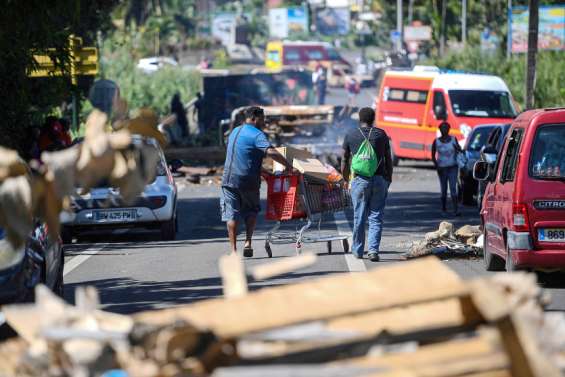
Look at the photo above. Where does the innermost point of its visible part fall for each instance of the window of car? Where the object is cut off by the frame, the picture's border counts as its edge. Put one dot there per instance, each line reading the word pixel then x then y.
pixel 478 138
pixel 405 95
pixel 333 54
pixel 274 56
pixel 511 156
pixel 315 55
pixel 439 100
pixel 547 160
pixel 292 54
pixel 482 103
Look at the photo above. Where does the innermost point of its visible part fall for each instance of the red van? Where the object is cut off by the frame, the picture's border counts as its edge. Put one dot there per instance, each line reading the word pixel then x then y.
pixel 523 208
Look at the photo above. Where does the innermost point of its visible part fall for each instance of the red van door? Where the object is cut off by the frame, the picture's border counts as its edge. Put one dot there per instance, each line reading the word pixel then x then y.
pixel 499 197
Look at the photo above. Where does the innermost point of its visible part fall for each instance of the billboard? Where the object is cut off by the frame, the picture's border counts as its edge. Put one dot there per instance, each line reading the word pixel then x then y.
pixel 551 32
pixel 333 21
pixel 287 21
pixel 223 28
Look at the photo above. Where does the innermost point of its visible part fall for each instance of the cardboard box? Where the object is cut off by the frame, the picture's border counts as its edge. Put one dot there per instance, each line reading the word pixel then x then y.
pixel 304 162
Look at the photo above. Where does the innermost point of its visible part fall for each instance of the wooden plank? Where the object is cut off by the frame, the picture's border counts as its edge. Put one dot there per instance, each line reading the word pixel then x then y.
pixel 418 281
pixel 412 318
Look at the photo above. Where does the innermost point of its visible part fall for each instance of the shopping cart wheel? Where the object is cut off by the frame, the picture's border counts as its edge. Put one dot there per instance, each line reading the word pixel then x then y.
pixel 268 250
pixel 329 247
pixel 345 245
pixel 298 248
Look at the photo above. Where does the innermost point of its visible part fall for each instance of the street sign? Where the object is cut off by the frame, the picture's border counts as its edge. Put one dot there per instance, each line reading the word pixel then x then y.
pixel 84 61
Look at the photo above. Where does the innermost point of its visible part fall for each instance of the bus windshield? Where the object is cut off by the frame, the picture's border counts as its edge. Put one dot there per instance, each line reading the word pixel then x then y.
pixel 481 104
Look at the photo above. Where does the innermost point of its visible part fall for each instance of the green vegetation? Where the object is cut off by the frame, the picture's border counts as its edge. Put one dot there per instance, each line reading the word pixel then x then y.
pixel 550 81
pixel 35 26
pixel 139 89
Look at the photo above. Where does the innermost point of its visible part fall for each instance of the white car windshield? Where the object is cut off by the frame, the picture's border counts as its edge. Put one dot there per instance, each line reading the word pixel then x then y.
pixel 482 104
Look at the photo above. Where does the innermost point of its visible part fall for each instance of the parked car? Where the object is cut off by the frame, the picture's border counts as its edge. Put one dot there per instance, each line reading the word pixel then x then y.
pixel 477 140
pixel 155 63
pixel 40 260
pixel 523 210
pixel 490 153
pixel 102 207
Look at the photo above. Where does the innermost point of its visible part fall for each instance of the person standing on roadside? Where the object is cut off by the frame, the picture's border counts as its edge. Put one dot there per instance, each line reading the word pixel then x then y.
pixel 240 199
pixel 320 79
pixel 444 156
pixel 366 153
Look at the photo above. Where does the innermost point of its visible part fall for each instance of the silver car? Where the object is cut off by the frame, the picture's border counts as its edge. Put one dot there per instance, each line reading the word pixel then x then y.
pixel 102 208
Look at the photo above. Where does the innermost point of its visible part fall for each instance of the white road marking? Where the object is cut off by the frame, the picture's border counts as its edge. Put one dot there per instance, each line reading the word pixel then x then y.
pixel 91 251
pixel 343 228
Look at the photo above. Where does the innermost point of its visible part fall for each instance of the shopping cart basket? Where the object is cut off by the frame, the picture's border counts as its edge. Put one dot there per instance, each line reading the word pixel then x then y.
pixel 294 197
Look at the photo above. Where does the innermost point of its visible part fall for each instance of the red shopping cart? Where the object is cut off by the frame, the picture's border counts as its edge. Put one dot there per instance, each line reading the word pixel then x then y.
pixel 294 197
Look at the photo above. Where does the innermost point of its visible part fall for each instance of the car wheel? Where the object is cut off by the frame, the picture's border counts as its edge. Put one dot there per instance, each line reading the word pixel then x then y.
pixel 169 229
pixel 66 235
pixel 510 266
pixel 467 193
pixel 492 262
pixel 58 289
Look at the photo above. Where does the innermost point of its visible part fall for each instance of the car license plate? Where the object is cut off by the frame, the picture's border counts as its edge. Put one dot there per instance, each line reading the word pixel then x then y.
pixel 551 235
pixel 128 215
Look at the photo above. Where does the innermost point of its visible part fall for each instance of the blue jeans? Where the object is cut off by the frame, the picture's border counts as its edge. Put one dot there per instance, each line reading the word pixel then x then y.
pixel 448 175
pixel 368 196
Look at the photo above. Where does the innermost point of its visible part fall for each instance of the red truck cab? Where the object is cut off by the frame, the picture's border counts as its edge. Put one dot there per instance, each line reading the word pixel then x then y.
pixel 523 209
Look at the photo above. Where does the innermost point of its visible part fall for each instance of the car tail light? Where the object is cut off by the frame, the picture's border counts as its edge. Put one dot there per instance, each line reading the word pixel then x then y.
pixel 157 201
pixel 520 217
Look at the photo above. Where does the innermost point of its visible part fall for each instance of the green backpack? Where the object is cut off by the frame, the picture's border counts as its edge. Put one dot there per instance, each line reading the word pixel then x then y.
pixel 365 161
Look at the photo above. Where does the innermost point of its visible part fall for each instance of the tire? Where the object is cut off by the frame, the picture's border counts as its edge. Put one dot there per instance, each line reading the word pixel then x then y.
pixel 492 262
pixel 169 229
pixel 510 266
pixel 467 193
pixel 345 245
pixel 66 235
pixel 58 289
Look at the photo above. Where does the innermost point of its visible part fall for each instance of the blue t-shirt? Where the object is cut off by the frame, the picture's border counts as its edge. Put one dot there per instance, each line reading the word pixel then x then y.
pixel 242 169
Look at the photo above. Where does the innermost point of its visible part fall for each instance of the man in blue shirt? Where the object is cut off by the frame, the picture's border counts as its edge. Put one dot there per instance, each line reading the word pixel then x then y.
pixel 247 146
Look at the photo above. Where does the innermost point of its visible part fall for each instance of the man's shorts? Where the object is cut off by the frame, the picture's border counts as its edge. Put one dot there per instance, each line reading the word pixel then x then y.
pixel 237 204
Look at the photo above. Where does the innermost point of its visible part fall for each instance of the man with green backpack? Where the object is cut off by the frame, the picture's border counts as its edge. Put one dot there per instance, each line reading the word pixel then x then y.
pixel 366 155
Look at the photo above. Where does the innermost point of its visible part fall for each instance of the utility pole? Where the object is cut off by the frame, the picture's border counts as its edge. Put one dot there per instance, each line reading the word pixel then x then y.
pixel 410 11
pixel 464 22
pixel 399 28
pixel 533 23
pixel 442 36
pixel 509 33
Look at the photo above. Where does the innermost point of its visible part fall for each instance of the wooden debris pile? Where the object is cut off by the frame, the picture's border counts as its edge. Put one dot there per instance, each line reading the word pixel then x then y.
pixel 446 242
pixel 411 319
pixel 45 191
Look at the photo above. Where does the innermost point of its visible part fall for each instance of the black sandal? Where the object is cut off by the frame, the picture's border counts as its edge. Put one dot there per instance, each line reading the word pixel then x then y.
pixel 247 252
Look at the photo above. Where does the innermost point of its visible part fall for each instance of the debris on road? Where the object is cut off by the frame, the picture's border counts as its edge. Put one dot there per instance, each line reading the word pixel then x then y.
pixel 445 242
pixel 376 323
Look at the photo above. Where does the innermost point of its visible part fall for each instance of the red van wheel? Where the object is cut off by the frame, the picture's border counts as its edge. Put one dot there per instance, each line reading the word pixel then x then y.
pixel 510 266
pixel 492 262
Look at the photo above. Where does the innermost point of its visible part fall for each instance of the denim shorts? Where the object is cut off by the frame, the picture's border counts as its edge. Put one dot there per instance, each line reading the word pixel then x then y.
pixel 237 204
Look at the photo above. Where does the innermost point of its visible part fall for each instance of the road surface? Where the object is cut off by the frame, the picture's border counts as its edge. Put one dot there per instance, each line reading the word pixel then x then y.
pixel 136 271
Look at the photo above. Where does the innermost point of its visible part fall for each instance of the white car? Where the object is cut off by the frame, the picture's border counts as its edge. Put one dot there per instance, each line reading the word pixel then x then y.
pixel 154 63
pixel 101 208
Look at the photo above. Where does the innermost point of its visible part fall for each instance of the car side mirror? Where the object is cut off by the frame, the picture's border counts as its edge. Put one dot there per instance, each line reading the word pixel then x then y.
pixel 440 112
pixel 481 170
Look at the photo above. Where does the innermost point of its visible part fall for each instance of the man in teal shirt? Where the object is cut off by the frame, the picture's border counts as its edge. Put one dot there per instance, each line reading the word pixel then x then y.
pixel 240 199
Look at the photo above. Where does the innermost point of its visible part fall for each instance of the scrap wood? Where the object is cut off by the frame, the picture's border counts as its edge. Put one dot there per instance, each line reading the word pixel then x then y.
pixel 446 242
pixel 322 298
pixel 235 278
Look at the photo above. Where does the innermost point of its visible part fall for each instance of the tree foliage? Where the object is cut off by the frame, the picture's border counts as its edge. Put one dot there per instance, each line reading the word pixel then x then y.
pixel 35 26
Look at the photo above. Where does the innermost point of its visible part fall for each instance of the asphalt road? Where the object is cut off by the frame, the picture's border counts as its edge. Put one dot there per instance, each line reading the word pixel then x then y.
pixel 136 271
